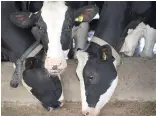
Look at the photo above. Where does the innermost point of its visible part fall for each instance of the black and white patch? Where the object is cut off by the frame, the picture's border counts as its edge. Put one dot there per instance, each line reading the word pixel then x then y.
pixel 46 88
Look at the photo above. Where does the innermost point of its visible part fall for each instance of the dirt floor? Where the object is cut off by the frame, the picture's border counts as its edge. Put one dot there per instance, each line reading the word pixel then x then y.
pixel 74 109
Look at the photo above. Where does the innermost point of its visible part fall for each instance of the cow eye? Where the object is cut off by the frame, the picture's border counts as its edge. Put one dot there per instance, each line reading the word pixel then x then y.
pixel 91 77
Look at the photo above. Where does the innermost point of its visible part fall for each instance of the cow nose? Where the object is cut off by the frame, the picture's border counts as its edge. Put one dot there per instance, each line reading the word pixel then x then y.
pixel 55 67
pixel 86 114
pixel 91 112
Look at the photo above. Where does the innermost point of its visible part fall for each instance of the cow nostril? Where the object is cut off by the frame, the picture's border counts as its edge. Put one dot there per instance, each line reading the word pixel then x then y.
pixel 87 113
pixel 55 67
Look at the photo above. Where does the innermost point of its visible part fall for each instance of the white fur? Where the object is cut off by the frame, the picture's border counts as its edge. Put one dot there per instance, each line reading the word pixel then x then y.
pixel 150 40
pixel 61 99
pixel 53 14
pixel 131 40
pixel 96 16
pixel 104 98
pixel 66 53
pixel 82 60
pixel 14 66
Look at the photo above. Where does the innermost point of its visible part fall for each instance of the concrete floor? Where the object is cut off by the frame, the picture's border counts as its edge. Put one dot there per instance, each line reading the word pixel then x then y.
pixel 74 109
pixel 137 84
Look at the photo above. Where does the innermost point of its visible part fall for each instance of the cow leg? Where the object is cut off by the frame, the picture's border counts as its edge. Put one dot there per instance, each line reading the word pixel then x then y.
pixel 150 40
pixel 17 75
pixel 15 80
pixel 131 40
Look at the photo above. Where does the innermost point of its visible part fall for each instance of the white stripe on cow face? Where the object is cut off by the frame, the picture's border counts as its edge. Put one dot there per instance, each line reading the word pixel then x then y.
pixel 104 98
pixel 82 60
pixel 53 14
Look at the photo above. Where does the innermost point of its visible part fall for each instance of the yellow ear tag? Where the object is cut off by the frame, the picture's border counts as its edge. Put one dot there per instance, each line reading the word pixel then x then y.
pixel 79 18
pixel 104 56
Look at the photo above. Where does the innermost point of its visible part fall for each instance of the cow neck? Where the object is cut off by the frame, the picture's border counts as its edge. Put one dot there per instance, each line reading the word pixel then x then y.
pixel 101 42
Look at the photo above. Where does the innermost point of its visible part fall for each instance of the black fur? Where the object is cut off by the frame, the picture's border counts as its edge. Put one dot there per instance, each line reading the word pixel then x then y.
pixel 46 88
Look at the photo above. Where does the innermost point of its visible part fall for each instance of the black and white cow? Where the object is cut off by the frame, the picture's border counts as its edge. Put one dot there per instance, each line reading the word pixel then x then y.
pixel 97 65
pixel 59 18
pixel 56 19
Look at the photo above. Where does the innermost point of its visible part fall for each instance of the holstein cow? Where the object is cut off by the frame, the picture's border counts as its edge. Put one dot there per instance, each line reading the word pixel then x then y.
pixel 59 30
pixel 97 65
pixel 50 22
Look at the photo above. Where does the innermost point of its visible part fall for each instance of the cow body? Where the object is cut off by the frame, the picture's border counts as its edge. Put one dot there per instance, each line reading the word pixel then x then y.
pixel 97 65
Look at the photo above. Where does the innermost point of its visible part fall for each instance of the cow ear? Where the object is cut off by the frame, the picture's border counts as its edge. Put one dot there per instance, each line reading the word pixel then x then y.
pixel 86 14
pixel 105 53
pixel 22 19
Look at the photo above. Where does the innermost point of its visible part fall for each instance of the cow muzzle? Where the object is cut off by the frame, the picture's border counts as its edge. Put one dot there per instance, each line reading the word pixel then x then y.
pixel 91 112
pixel 55 65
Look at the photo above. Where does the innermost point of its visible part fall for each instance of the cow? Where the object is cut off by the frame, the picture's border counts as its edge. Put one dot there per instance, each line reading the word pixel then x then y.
pixel 98 64
pixel 53 15
pixel 40 22
pixel 45 87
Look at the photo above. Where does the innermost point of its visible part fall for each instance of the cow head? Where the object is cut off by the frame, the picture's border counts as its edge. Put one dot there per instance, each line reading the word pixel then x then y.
pixel 36 80
pixel 58 20
pixel 98 78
